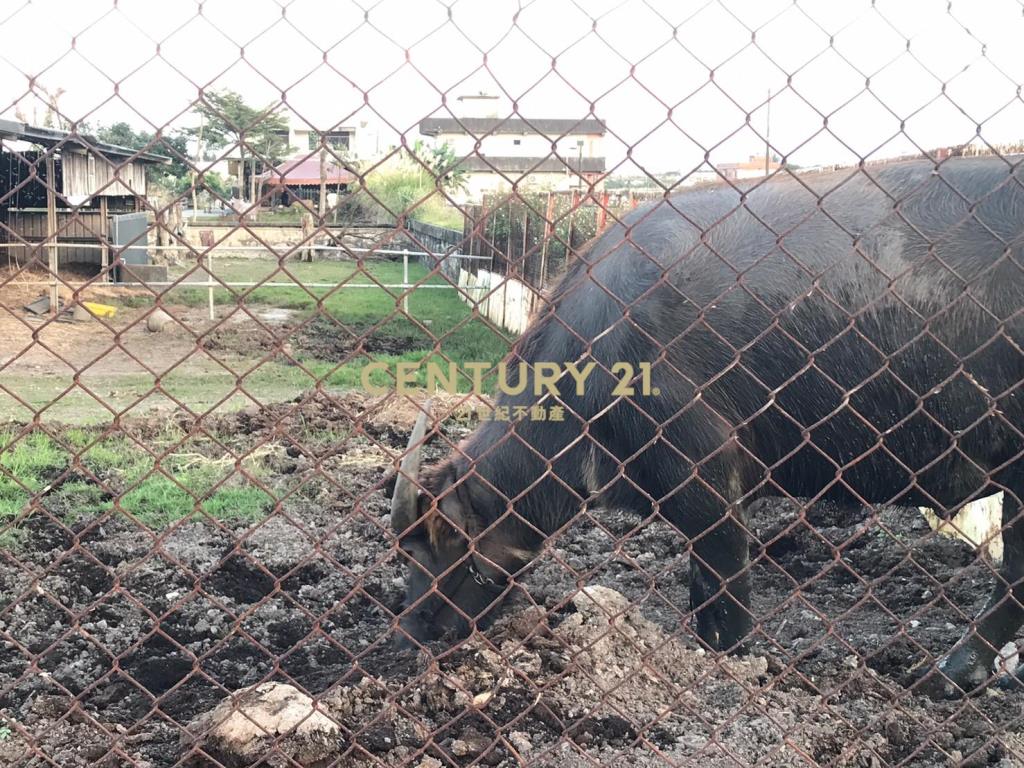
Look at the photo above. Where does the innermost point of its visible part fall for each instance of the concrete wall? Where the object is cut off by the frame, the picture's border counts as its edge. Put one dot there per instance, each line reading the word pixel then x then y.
pixel 252 234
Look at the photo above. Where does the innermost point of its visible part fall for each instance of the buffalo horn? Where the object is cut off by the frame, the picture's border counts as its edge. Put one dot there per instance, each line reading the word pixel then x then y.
pixel 403 502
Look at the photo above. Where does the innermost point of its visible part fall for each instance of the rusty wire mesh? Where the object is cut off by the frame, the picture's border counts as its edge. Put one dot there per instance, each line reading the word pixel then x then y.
pixel 190 513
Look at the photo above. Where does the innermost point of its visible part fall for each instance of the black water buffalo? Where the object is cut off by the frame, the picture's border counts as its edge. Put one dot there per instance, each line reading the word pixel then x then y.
pixel 854 336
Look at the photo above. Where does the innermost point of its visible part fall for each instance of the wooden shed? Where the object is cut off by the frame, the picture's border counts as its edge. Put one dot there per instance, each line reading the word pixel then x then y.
pixel 80 182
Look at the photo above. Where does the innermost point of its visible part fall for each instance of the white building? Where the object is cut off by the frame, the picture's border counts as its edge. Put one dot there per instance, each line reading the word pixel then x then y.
pixel 535 154
pixel 359 141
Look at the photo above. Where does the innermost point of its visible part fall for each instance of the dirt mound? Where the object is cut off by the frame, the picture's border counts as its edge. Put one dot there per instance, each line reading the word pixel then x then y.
pixel 113 639
pixel 319 338
pixel 604 681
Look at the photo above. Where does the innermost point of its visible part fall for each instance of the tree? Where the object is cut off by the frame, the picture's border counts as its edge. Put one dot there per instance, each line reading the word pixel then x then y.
pixel 211 184
pixel 260 134
pixel 53 118
pixel 173 145
pixel 443 165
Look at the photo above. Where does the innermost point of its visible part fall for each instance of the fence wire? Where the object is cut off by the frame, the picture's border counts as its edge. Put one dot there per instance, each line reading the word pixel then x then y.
pixel 723 468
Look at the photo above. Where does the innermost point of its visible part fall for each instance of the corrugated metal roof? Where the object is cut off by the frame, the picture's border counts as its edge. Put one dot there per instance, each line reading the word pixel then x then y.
pixel 533 164
pixel 305 171
pixel 479 126
pixel 50 137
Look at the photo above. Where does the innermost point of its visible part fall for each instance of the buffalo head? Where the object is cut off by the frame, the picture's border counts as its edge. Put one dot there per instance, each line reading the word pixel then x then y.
pixel 452 583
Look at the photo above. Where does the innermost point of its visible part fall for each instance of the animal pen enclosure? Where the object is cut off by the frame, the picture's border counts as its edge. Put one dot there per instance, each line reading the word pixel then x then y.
pixel 60 196
pixel 629 474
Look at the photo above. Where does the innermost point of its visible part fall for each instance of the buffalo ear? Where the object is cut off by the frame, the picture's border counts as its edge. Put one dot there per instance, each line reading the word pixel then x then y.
pixel 450 524
pixel 389 484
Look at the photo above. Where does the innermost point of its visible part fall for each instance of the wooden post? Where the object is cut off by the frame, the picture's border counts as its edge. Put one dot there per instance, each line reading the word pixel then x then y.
pixel 573 202
pixel 51 232
pixel 209 279
pixel 206 240
pixel 508 240
pixel 526 229
pixel 323 180
pixel 105 236
pixel 306 253
pixel 549 216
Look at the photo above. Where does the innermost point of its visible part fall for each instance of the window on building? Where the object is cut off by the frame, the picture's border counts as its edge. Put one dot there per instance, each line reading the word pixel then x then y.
pixel 517 142
pixel 333 139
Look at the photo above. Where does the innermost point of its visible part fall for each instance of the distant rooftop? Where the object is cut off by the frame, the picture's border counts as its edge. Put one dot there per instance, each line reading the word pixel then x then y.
pixel 480 126
pixel 305 171
pixel 51 137
pixel 754 163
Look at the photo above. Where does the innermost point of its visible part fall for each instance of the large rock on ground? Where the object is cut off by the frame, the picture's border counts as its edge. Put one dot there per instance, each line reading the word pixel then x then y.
pixel 273 721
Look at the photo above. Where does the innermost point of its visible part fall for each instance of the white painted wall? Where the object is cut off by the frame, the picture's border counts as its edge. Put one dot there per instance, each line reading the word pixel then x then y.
pixel 979 523
pixel 503 300
pixel 530 145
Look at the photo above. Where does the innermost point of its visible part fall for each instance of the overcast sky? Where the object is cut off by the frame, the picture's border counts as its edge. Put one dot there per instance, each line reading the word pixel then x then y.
pixel 644 65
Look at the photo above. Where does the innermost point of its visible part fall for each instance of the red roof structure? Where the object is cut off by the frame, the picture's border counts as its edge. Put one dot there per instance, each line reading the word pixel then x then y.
pixel 305 172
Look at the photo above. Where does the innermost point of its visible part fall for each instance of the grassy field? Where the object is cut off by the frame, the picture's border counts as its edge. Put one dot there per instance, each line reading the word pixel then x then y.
pixel 447 328
pixel 447 331
pixel 77 471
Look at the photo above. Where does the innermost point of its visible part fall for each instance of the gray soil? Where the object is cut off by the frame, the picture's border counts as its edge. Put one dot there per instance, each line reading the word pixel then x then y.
pixel 114 640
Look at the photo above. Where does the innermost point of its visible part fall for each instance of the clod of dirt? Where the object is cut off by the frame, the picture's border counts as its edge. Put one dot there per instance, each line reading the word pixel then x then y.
pixel 272 720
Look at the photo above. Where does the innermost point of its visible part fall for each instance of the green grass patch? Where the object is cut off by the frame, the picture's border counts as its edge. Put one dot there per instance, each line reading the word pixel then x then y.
pixel 444 327
pixel 31 459
pixel 189 481
pixel 158 501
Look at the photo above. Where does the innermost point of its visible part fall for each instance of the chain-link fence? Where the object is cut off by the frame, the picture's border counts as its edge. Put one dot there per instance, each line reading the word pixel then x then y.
pixel 520 384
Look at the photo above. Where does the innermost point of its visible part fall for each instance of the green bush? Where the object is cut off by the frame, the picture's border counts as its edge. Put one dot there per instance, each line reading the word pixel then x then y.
pixel 411 191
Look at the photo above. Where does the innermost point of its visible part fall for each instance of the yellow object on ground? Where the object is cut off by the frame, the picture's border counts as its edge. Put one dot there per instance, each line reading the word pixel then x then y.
pixel 100 310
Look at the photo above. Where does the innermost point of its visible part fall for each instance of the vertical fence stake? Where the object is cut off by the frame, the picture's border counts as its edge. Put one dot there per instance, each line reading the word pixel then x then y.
pixel 526 230
pixel 209 282
pixel 105 233
pixel 549 215
pixel 602 212
pixel 405 281
pixel 572 212
pixel 51 232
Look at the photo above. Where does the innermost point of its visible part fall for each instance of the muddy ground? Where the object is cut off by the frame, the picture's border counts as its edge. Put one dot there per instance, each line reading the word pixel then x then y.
pixel 114 643
pixel 38 346
pixel 320 338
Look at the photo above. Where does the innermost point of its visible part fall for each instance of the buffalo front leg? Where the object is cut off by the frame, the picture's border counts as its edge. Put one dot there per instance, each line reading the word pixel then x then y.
pixel 720 580
pixel 968 666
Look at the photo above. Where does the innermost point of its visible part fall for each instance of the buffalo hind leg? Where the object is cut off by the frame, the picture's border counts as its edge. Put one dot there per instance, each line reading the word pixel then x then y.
pixel 969 665
pixel 719 578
